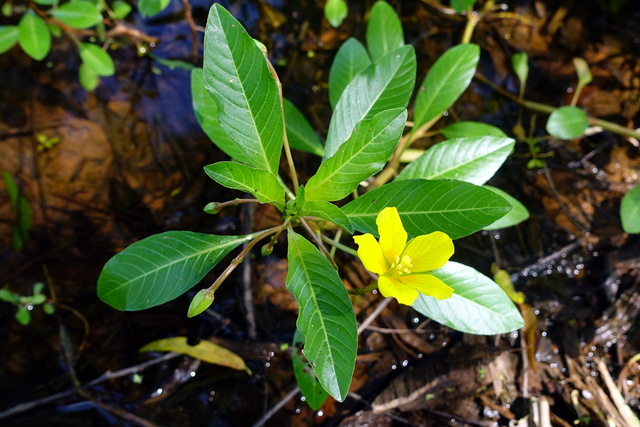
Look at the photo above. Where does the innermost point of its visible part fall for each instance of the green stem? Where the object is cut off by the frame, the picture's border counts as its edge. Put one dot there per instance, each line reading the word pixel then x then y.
pixel 361 291
pixel 318 241
pixel 472 21
pixel 338 245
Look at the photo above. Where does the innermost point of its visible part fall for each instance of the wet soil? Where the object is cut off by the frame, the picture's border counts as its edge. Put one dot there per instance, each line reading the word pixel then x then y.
pixel 129 164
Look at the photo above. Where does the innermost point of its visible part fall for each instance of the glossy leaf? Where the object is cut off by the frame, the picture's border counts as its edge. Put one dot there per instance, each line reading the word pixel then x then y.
pixel 384 30
pixel 300 134
pixel 630 211
pixel 362 155
pixel 262 184
pixel 385 85
pixel 204 350
pixel 518 214
pixel 97 59
pixel 326 317
pixel 206 111
pixel 237 77
pixel 567 122
pixel 352 58
pixel 455 207
pixel 8 37
pixel 473 160
pixel 310 387
pixel 336 11
pixel 162 267
pixel 120 9
pixel 462 5
pixel 478 305
pixel 469 129
pixel 34 36
pixel 78 14
pixel 328 211
pixel 149 8
pixel 89 79
pixel 445 82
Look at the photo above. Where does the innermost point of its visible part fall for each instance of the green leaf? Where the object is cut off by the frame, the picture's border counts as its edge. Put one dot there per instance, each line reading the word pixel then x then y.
pixel 328 211
pixel 148 8
pixel 7 296
pixel 300 134
pixel 455 207
pixel 567 122
pixel 445 82
pixel 264 185
pixel 362 155
pixel 89 79
pixel 120 9
pixel 206 111
pixel 518 214
pixel 237 76
pixel 336 11
pixel 352 58
pixel 584 73
pixel 468 129
pixel 478 305
pixel 326 317
pixel 630 211
pixel 78 14
pixel 161 267
pixel 22 209
pixel 384 30
pixel 46 2
pixel 386 84
pixel 23 316
pixel 462 5
pixel 97 59
pixel 204 350
pixel 34 36
pixel 473 160
pixel 310 387
pixel 8 37
pixel 520 64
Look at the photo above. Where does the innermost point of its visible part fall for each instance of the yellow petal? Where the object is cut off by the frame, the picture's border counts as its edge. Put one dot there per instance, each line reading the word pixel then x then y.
pixel 428 285
pixel 393 238
pixel 370 254
pixel 390 287
pixel 429 252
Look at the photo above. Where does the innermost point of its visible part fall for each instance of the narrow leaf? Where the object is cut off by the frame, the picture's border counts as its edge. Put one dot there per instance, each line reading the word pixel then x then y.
pixel 300 134
pixel 336 11
pixel 148 8
pixel 362 155
pixel 520 64
pixel 455 207
pixel 204 350
pixel 473 160
pixel 462 5
pixel 384 30
pixel 385 85
pixel 567 122
pixel 262 184
pixel 161 267
pixel 34 36
pixel 97 59
pixel 478 305
pixel 310 387
pixel 326 317
pixel 445 82
pixel 328 211
pixel 78 14
pixel 518 214
pixel 630 211
pixel 468 129
pixel 8 37
pixel 584 73
pixel 352 58
pixel 237 77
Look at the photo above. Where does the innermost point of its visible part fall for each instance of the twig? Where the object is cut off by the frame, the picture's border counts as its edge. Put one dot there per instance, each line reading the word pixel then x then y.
pixel 194 30
pixel 246 276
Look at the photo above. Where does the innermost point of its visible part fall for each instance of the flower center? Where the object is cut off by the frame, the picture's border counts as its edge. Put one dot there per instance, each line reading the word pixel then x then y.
pixel 401 266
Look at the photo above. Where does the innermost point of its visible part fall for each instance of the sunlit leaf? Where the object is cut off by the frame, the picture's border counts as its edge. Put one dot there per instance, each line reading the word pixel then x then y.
pixel 567 122
pixel 455 207
pixel 478 305
pixel 162 267
pixel 97 59
pixel 630 211
pixel 462 5
pixel 237 77
pixel 445 82
pixel 363 154
pixel 89 79
pixel 385 85
pixel 8 37
pixel 34 36
pixel 262 184
pixel 300 134
pixel 328 211
pixel 518 214
pixel 78 14
pixel 469 129
pixel 204 350
pixel 352 58
pixel 46 2
pixel 473 160
pixel 120 9
pixel 384 30
pixel 310 387
pixel 326 317
pixel 148 8
pixel 336 11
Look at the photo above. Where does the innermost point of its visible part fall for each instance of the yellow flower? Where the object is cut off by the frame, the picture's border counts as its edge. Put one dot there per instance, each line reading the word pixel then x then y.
pixel 402 267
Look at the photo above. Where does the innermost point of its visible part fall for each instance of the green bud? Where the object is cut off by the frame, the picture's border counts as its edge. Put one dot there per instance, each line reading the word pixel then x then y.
pixel 200 302
pixel 266 249
pixel 211 208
